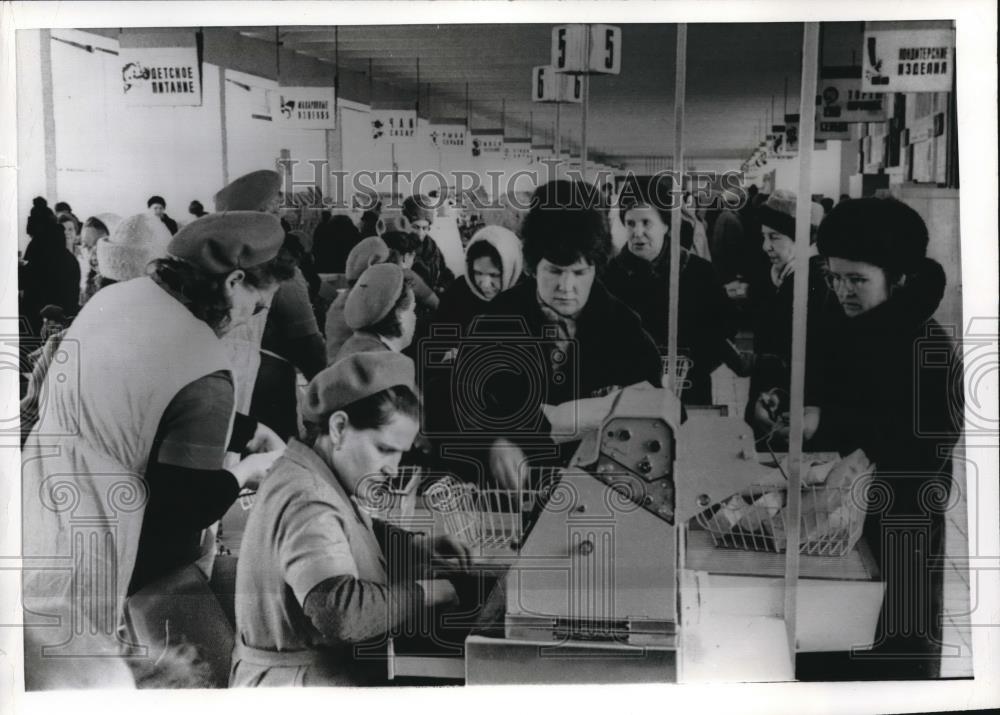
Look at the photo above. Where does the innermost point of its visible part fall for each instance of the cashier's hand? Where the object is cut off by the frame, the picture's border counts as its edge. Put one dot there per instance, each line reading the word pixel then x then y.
pixel 264 439
pixel 448 552
pixel 250 471
pixel 507 464
pixel 438 592
pixel 766 413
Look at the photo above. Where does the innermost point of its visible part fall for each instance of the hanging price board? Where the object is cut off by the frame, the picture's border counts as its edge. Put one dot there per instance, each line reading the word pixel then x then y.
pixel 587 49
pixel 908 60
pixel 547 85
pixel 396 126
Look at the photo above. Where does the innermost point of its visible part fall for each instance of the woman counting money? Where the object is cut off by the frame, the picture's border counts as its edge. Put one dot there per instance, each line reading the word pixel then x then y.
pixel 124 467
pixel 323 585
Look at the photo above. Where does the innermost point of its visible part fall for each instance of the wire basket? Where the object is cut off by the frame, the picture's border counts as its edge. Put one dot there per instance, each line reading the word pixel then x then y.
pixel 678 381
pixel 394 499
pixel 830 524
pixel 486 518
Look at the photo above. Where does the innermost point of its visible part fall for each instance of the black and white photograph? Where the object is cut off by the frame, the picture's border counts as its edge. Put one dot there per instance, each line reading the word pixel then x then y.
pixel 424 347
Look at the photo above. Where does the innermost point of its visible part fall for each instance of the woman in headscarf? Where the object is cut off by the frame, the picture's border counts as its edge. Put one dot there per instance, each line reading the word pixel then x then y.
pixel 493 264
pixel 124 467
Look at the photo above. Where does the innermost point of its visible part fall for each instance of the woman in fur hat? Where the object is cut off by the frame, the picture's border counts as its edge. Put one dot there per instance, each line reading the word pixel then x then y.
pixel 133 430
pixel 892 389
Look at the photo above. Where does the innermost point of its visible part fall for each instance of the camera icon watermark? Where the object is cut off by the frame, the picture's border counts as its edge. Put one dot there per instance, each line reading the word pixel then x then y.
pixel 492 380
pixel 945 363
pixel 49 372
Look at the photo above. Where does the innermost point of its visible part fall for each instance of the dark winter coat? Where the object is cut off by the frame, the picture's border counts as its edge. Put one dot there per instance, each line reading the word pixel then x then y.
pixel 893 388
pixel 704 313
pixel 507 369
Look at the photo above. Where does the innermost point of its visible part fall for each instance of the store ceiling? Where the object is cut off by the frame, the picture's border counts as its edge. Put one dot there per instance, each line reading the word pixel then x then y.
pixel 733 73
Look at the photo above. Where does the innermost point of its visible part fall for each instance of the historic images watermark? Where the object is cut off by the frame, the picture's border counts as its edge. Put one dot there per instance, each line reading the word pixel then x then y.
pixel 334 189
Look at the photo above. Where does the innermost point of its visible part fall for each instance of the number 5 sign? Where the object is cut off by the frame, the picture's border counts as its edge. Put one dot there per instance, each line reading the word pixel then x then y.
pixel 587 49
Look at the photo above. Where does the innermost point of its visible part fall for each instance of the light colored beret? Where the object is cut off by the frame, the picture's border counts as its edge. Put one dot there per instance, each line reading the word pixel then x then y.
pixel 374 295
pixel 367 253
pixel 354 378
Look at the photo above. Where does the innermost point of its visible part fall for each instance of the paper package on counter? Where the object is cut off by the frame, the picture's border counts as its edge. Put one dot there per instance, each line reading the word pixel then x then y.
pixel 833 510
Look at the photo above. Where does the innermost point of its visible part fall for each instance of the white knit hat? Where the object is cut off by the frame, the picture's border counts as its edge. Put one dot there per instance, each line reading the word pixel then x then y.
pixel 133 243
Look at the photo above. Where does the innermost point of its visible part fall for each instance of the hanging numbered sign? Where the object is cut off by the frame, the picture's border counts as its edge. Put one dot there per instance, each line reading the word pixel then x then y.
pixel 570 49
pixel 547 85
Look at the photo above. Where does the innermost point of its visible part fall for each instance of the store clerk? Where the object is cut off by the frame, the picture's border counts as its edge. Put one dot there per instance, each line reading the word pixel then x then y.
pixel 320 585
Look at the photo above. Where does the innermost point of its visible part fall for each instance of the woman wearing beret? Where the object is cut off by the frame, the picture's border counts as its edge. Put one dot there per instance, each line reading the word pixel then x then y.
pixel 324 585
pixel 767 406
pixel 124 467
pixel 639 277
pixel 380 309
pixel 891 388
pixel 557 337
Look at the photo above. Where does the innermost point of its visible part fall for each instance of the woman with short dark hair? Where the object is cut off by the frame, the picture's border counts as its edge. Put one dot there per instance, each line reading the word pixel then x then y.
pixel 891 388
pixel 570 338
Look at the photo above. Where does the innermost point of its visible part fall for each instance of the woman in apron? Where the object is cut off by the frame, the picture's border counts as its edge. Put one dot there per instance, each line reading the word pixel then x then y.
pixel 135 417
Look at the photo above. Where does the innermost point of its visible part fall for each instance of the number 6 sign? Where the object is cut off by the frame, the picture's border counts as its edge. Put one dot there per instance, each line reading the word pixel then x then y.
pixel 570 49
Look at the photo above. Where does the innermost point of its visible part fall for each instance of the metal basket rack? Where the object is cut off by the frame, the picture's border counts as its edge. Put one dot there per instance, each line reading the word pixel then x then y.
pixel 678 381
pixel 830 523
pixel 484 518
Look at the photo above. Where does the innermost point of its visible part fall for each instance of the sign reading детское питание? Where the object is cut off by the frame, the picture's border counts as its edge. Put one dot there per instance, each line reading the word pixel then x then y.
pixel 159 76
